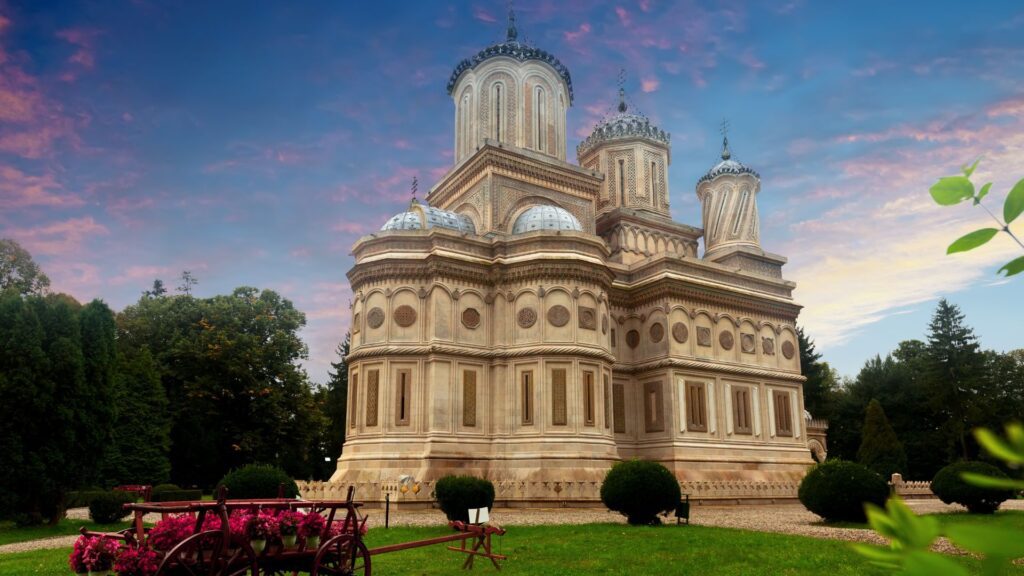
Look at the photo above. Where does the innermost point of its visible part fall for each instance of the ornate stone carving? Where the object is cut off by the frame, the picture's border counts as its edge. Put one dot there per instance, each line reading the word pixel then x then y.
pixel 355 323
pixel 423 293
pixel 680 332
pixel 375 318
pixel 768 346
pixel 541 292
pixel 703 336
pixel 456 294
pixel 588 318
pixel 576 293
pixel 788 350
pixel 405 316
pixel 470 318
pixel 526 317
pixel 632 338
pixel 604 324
pixel 747 343
pixel 657 332
pixel 558 315
pixel 725 339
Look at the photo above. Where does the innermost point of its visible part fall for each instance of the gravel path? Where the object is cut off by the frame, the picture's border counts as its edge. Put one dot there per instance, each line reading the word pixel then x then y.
pixel 781 518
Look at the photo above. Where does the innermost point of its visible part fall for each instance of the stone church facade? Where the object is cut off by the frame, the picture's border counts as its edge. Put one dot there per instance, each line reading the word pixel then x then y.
pixel 538 320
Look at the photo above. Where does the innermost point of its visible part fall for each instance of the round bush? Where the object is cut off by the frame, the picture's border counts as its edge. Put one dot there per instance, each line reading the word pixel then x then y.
pixel 258 481
pixel 837 490
pixel 950 487
pixel 108 507
pixel 457 494
pixel 165 488
pixel 640 490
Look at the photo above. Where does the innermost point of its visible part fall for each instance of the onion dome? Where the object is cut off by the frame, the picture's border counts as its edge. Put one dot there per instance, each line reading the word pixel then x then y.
pixel 620 126
pixel 727 166
pixel 511 48
pixel 422 217
pixel 545 217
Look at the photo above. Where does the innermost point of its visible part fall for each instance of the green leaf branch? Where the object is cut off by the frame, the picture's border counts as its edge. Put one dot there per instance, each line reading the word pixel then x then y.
pixel 952 190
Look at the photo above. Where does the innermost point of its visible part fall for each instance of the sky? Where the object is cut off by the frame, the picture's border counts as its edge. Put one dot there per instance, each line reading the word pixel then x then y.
pixel 252 143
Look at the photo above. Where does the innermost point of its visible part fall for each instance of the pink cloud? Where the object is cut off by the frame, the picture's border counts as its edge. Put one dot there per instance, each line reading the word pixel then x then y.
pixel 59 238
pixel 574 36
pixel 751 61
pixel 84 57
pixel 483 15
pixel 649 84
pixel 141 275
pixel 624 17
pixel 20 190
pixel 645 5
pixel 359 227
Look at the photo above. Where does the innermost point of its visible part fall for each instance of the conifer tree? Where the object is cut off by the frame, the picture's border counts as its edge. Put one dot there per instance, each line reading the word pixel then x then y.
pixel 880 450
pixel 820 379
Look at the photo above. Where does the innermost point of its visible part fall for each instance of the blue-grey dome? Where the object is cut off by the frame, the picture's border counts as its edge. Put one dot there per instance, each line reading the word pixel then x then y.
pixel 546 217
pixel 622 125
pixel 727 166
pixel 420 217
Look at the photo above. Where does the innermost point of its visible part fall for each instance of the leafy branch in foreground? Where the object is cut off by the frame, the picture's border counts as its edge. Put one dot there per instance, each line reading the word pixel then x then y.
pixel 952 190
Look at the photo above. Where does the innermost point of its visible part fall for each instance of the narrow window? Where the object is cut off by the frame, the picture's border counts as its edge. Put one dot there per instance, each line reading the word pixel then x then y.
pixel 619 408
pixel 497 112
pixel 741 411
pixel 783 415
pixel 588 398
pixel 558 408
pixel 654 176
pixel 539 106
pixel 740 212
pixel 607 403
pixel 721 213
pixel 613 338
pixel 696 407
pixel 372 392
pixel 653 420
pixel 622 182
pixel 353 408
pixel 465 125
pixel 404 398
pixel 469 398
pixel 528 397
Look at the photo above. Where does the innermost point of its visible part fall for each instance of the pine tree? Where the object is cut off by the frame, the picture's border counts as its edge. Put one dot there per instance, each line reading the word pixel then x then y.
pixel 880 450
pixel 336 400
pixel 139 451
pixel 820 381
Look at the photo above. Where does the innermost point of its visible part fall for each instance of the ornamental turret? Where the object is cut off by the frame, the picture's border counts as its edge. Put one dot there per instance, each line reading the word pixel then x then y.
pixel 728 196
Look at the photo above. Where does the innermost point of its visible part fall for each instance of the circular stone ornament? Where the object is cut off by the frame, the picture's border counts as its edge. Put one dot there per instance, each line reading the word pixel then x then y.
pixel 604 324
pixel 788 350
pixel 726 340
pixel 558 315
pixel 375 318
pixel 657 332
pixel 526 317
pixel 405 316
pixel 680 333
pixel 747 343
pixel 632 338
pixel 470 318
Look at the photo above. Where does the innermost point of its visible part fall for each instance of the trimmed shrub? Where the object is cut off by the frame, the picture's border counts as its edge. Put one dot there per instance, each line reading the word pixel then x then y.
pixel 82 498
pixel 950 487
pixel 108 507
pixel 258 481
pixel 837 490
pixel 640 490
pixel 177 495
pixel 880 450
pixel 457 494
pixel 164 488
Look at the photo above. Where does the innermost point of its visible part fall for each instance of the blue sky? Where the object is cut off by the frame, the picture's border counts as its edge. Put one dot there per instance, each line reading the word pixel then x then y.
pixel 253 142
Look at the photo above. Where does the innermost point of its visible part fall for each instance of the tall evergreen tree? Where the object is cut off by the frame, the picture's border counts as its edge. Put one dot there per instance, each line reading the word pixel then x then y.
pixel 336 400
pixel 880 450
pixel 820 383
pixel 139 451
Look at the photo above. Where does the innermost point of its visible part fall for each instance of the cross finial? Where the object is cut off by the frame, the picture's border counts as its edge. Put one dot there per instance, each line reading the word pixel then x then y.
pixel 415 187
pixel 512 33
pixel 725 140
pixel 622 90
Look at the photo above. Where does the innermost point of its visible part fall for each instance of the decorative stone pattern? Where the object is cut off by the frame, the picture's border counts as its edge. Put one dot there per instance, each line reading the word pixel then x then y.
pixel 558 315
pixel 768 346
pixel 372 393
pixel 747 343
pixel 405 316
pixel 526 318
pixel 788 350
pixel 471 318
pixel 725 339
pixel 657 332
pixel 703 336
pixel 469 398
pixel 588 318
pixel 680 333
pixel 632 338
pixel 604 324
pixel 375 318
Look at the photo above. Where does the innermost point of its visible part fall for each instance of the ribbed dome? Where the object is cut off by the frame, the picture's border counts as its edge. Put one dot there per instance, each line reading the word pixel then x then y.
pixel 420 217
pixel 620 126
pixel 546 217
pixel 727 166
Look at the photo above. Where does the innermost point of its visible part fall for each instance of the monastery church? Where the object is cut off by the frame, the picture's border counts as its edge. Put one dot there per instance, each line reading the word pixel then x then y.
pixel 538 320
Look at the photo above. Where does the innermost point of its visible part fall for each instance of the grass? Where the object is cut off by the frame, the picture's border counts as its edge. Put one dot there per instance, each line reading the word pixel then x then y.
pixel 10 533
pixel 1005 519
pixel 587 550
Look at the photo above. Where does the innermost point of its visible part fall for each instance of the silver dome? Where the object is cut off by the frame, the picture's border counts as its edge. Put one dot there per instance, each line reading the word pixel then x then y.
pixel 546 218
pixel 727 166
pixel 420 217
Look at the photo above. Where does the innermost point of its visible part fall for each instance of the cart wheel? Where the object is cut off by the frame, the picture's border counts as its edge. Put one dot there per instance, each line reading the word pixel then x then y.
pixel 343 555
pixel 240 561
pixel 197 555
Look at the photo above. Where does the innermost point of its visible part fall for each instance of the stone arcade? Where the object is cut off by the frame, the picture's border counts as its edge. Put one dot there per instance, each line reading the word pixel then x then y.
pixel 537 320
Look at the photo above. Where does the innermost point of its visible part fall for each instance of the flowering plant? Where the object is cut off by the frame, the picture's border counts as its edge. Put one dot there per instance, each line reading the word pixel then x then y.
pixel 288 523
pixel 339 526
pixel 169 531
pixel 99 554
pixel 312 524
pixel 137 562
pixel 260 527
pixel 77 558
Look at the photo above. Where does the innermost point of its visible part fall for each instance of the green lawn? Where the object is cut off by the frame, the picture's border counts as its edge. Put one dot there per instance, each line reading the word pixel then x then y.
pixel 9 533
pixel 587 549
pixel 1007 519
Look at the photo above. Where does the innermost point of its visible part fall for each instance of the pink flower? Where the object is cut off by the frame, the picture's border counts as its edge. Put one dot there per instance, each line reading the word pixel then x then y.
pixel 312 524
pixel 137 562
pixel 288 523
pixel 99 554
pixel 170 531
pixel 77 558
pixel 261 527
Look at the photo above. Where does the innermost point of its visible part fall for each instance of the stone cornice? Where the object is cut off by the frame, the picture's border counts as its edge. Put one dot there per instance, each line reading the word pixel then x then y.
pixel 703 270
pixel 372 351
pixel 625 297
pixel 622 216
pixel 716 366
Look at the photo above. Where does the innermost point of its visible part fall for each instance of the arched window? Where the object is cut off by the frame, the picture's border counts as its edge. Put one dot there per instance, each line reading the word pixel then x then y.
pixel 464 130
pixel 538 113
pixel 498 116
pixel 622 182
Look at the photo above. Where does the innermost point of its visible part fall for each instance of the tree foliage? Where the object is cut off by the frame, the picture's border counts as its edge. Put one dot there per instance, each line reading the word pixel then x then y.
pixel 880 449
pixel 19 272
pixel 333 400
pixel 819 388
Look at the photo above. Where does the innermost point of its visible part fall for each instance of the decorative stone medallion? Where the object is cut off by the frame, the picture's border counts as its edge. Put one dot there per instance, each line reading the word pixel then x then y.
pixel 768 346
pixel 657 332
pixel 703 336
pixel 405 316
pixel 788 350
pixel 632 338
pixel 680 332
pixel 375 318
pixel 355 323
pixel 604 324
pixel 470 318
pixel 588 318
pixel 747 343
pixel 526 317
pixel 726 340
pixel 558 315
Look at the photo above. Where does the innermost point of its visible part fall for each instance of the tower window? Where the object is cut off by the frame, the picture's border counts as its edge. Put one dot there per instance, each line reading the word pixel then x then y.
pixel 558 404
pixel 619 408
pixel 469 398
pixel 783 414
pixel 721 212
pixel 654 178
pixel 607 402
pixel 588 398
pixel 740 213
pixel 653 420
pixel 539 107
pixel 528 397
pixel 696 407
pixel 404 398
pixel 622 182
pixel 741 416
pixel 497 112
